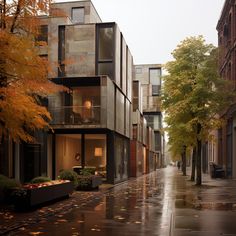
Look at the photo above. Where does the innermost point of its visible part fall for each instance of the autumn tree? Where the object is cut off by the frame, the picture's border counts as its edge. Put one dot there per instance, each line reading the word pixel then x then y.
pixel 181 139
pixel 23 73
pixel 192 94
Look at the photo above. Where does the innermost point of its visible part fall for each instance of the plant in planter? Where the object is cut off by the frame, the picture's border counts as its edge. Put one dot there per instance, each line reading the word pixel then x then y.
pixel 31 195
pixel 69 175
pixel 40 179
pixel 7 185
pixel 88 181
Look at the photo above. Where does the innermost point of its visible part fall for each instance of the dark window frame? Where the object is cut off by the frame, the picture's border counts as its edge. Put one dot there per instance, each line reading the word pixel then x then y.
pixel 43 34
pixel 61 50
pixel 149 77
pixel 112 60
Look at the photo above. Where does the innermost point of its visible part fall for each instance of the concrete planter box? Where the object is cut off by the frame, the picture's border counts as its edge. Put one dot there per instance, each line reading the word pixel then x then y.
pixel 89 182
pixel 28 198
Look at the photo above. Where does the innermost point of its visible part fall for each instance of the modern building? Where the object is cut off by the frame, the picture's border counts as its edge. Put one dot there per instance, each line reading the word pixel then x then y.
pixel 149 76
pixel 92 120
pixel 143 158
pixel 226 28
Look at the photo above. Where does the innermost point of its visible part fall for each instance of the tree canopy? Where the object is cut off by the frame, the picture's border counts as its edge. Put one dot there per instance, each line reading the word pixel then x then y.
pixel 192 93
pixel 23 73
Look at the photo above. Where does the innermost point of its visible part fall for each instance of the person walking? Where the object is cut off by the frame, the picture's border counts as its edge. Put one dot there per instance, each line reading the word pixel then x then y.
pixel 178 165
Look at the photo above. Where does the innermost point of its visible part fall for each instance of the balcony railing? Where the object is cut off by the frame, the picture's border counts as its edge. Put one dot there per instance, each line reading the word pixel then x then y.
pixel 147 107
pixel 75 115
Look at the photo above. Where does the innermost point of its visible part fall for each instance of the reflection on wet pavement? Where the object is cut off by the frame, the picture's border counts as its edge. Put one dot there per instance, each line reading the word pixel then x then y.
pixel 160 203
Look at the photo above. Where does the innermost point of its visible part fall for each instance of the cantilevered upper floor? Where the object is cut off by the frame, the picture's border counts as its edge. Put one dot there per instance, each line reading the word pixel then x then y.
pixel 149 77
pixel 91 103
pixel 78 44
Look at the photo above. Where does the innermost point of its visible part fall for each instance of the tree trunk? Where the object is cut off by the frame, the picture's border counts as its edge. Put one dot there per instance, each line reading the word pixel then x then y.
pixel 184 161
pixel 193 164
pixel 199 157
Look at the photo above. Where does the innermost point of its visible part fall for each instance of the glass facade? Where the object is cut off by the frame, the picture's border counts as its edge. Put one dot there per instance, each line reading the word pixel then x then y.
pixel 157 135
pixel 155 80
pixel 68 151
pixel 121 158
pixel 105 55
pixel 86 104
pixel 120 111
pixel 81 106
pixel 105 68
pixel 123 64
pixel 154 121
pixel 61 51
pixel 96 153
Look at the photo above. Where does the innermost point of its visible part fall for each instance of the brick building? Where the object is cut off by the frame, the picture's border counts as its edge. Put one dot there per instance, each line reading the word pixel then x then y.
pixel 226 27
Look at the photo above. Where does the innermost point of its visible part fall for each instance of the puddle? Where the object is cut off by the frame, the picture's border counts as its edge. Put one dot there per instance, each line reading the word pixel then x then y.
pixel 215 206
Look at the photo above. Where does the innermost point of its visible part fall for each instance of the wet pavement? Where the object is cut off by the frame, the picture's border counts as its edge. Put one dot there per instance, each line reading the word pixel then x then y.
pixel 161 203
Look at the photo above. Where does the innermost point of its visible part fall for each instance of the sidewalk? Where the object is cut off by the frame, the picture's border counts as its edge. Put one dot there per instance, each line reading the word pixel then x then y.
pixel 207 210
pixel 160 203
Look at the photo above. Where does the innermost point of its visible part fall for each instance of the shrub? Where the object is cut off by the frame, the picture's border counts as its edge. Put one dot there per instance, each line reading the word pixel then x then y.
pixel 3 177
pixel 69 175
pixel 84 180
pixel 86 172
pixel 40 179
pixel 6 187
pixel 7 183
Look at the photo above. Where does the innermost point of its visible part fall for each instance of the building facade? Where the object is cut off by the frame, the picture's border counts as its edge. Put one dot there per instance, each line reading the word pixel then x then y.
pixel 92 120
pixel 143 158
pixel 149 76
pixel 226 28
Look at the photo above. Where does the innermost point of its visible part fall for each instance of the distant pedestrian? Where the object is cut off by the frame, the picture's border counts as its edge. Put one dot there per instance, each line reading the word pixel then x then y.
pixel 178 165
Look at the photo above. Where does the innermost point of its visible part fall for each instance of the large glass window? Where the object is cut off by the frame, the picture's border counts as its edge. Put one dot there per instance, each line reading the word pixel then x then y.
pixel 96 152
pixel 61 50
pixel 86 105
pixel 106 68
pixel 81 106
pixel 157 141
pixel 68 151
pixel 127 119
pixel 121 158
pixel 120 111
pixel 78 15
pixel 43 33
pixel 135 95
pixel 153 121
pixel 105 45
pixel 56 108
pixel 155 80
pixel 105 51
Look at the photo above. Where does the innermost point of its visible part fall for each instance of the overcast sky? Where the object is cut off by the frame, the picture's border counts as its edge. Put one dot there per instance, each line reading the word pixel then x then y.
pixel 153 28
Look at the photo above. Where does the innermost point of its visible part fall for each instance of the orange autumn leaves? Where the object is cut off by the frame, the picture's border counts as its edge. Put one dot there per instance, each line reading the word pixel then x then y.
pixel 23 74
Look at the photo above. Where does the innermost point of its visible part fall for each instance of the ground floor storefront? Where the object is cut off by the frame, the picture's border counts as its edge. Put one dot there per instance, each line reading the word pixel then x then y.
pixel 105 151
pixel 142 160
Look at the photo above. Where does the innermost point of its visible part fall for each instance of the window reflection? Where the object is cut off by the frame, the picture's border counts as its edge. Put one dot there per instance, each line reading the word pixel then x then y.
pixel 105 50
pixel 95 153
pixel 105 43
pixel 86 104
